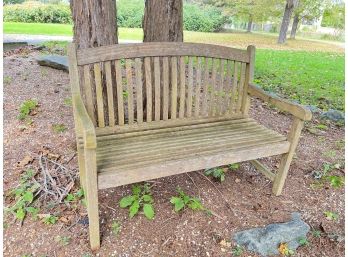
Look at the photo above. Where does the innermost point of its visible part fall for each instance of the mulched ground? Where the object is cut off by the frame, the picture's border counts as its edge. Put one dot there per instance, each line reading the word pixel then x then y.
pixel 250 202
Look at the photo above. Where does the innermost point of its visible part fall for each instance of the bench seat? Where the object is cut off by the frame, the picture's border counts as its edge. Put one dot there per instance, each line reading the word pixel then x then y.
pixel 137 156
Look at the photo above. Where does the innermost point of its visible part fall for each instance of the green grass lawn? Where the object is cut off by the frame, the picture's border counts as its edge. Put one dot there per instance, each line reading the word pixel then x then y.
pixel 306 71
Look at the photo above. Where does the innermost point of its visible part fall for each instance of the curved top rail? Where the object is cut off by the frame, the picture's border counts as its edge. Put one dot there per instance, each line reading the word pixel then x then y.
pixel 137 50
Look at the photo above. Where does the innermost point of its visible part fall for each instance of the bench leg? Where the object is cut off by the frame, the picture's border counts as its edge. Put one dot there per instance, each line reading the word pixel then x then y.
pixel 293 138
pixel 92 198
pixel 82 169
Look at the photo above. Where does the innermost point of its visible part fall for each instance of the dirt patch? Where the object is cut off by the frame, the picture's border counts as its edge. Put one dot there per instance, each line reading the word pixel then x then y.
pixel 169 234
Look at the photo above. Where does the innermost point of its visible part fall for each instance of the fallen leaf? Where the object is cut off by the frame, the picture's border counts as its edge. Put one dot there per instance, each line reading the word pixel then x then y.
pixel 26 160
pixel 237 180
pixel 225 243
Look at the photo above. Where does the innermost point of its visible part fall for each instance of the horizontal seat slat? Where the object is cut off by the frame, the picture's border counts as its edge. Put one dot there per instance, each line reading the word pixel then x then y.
pixel 122 175
pixel 158 49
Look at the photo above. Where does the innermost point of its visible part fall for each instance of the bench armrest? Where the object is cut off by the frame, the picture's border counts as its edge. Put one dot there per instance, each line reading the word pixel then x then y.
pixel 84 123
pixel 297 110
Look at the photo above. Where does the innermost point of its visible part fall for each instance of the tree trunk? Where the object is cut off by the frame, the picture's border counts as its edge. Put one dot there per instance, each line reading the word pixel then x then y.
pixel 95 25
pixel 289 8
pixel 250 24
pixel 163 21
pixel 294 26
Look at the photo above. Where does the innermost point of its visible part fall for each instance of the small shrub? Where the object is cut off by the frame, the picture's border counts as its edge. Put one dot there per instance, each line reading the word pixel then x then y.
pixel 183 200
pixel 336 181
pixel 26 108
pixel 32 11
pixel 140 198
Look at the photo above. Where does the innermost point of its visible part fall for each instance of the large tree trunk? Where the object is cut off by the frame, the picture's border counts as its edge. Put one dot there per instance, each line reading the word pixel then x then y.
pixel 289 8
pixel 163 21
pixel 250 23
pixel 94 25
pixel 294 26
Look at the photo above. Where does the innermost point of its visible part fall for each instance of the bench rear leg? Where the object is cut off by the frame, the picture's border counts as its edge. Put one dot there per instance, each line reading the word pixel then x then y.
pixel 293 138
pixel 92 198
pixel 82 169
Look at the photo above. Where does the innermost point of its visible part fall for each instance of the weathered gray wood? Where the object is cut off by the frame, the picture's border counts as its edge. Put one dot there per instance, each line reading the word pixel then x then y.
pixel 88 92
pixel 263 169
pixel 119 89
pixel 148 81
pixel 110 94
pixel 198 85
pixel 129 75
pixel 165 75
pixel 174 87
pixel 182 87
pixel 99 93
pixel 153 49
pixel 206 88
pixel 139 90
pixel 157 74
pixel 189 88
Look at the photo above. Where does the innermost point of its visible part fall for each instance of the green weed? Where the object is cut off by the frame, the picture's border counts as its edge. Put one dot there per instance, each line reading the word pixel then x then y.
pixel 63 240
pixel 331 215
pixel 237 251
pixel 183 200
pixel 116 227
pixel 26 108
pixel 68 101
pixel 140 198
pixel 50 220
pixel 217 173
pixel 59 128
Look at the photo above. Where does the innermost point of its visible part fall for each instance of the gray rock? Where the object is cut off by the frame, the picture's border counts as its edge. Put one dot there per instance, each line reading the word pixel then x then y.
pixel 313 108
pixel 54 61
pixel 266 240
pixel 333 115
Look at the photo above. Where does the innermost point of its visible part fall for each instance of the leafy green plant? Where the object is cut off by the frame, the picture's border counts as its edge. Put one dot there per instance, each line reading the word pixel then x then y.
pixel 24 196
pixel 237 251
pixel 285 250
pixel 217 173
pixel 63 240
pixel 336 181
pixel 234 166
pixel 303 241
pixel 59 128
pixel 26 108
pixel 331 215
pixel 116 227
pixel 183 200
pixel 321 127
pixel 50 219
pixel 140 198
pixel 316 233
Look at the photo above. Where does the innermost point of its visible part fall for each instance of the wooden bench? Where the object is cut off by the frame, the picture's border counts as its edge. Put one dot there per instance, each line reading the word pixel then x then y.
pixel 149 110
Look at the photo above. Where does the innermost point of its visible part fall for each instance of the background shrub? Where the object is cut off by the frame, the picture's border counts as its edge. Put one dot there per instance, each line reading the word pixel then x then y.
pixel 129 14
pixel 30 12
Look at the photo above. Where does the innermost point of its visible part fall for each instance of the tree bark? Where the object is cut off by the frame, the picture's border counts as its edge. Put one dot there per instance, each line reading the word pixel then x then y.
pixel 294 26
pixel 163 21
pixel 289 8
pixel 250 24
pixel 95 25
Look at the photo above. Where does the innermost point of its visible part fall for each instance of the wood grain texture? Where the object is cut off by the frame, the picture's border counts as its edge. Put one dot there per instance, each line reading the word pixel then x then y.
pixel 110 94
pixel 119 89
pixel 153 49
pixel 130 101
pixel 182 68
pixel 189 88
pixel 88 93
pixel 139 89
pixel 174 87
pixel 198 86
pixel 148 81
pixel 165 75
pixel 157 73
pixel 99 94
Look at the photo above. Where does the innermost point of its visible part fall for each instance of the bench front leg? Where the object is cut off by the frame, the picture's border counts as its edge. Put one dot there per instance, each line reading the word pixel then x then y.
pixel 293 138
pixel 91 183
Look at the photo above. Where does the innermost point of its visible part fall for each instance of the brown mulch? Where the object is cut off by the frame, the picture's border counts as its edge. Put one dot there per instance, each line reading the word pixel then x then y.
pixel 186 234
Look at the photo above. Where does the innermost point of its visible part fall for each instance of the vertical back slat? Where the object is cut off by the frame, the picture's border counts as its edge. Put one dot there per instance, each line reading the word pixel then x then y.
pixel 99 94
pixel 241 87
pixel 110 94
pixel 198 85
pixel 213 87
pixel 220 92
pixel 206 87
pixel 189 88
pixel 165 74
pixel 88 93
pixel 174 86
pixel 139 89
pixel 157 74
pixel 130 91
pixel 119 89
pixel 147 62
pixel 227 87
pixel 234 88
pixel 182 87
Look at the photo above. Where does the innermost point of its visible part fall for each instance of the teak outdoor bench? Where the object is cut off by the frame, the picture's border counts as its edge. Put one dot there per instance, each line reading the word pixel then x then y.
pixel 151 110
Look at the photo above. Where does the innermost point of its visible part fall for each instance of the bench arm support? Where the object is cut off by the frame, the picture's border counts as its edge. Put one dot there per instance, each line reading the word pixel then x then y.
pixel 297 110
pixel 84 123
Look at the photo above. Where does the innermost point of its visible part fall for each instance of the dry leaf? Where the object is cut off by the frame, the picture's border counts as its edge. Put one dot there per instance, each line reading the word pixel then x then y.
pixel 26 160
pixel 225 243
pixel 283 248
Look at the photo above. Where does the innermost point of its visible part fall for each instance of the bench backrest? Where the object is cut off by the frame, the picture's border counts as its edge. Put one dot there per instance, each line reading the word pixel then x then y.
pixel 128 85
